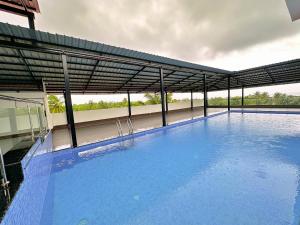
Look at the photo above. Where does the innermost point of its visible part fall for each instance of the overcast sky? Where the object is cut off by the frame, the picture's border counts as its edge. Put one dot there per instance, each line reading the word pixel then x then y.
pixel 228 34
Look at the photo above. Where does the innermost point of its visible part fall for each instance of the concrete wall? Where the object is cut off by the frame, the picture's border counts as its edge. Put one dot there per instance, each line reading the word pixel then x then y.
pixel 59 119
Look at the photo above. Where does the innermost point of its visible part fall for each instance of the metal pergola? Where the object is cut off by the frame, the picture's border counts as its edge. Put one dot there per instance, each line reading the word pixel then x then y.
pixel 29 59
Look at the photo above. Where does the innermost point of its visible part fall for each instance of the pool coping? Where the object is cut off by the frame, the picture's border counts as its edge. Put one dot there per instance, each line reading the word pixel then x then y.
pixel 265 111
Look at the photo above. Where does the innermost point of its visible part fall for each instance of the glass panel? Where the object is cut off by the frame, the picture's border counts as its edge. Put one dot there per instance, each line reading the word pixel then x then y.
pixel 22 119
pixel 34 115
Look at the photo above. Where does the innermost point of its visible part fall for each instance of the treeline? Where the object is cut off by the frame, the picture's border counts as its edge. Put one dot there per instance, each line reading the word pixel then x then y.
pixel 258 98
pixel 56 105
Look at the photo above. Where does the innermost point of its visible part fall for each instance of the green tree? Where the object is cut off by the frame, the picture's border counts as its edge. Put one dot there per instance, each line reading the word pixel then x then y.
pixel 170 97
pixel 55 104
pixel 152 98
pixel 155 98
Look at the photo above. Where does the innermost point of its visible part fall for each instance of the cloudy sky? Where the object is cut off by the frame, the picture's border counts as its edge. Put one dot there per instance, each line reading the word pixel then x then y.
pixel 228 34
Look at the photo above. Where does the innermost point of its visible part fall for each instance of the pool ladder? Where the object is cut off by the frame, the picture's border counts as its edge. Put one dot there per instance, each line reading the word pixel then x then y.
pixel 130 126
pixel 120 129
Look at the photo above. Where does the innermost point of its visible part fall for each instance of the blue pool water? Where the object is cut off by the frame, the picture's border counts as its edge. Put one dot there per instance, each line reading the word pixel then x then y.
pixel 229 169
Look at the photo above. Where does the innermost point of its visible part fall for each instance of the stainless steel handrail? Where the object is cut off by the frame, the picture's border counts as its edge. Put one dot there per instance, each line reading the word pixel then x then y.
pixel 5 182
pixel 130 126
pixel 119 127
pixel 30 122
pixel 11 98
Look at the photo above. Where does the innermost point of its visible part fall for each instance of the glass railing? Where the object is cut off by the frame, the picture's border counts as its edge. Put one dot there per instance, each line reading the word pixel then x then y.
pixel 22 121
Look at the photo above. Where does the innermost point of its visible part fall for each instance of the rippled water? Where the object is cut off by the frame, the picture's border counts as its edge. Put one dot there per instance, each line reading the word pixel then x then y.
pixel 229 169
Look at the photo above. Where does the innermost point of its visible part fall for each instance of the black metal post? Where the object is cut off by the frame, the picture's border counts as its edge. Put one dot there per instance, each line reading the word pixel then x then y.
pixel 67 115
pixel 68 102
pixel 205 95
pixel 167 104
pixel 192 101
pixel 31 21
pixel 228 103
pixel 162 96
pixel 129 104
pixel 243 96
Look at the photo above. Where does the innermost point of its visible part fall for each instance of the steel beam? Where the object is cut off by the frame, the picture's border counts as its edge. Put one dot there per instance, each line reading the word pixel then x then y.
pixel 28 68
pixel 158 80
pixel 91 76
pixel 68 102
pixel 269 74
pixel 162 96
pixel 129 103
pixel 31 21
pixel 131 78
pixel 187 85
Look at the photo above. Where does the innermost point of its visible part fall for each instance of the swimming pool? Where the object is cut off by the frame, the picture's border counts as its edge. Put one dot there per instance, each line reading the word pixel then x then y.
pixel 234 168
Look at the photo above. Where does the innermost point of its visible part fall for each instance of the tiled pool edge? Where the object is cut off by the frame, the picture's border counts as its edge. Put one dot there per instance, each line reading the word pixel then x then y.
pixel 36 167
pixel 264 111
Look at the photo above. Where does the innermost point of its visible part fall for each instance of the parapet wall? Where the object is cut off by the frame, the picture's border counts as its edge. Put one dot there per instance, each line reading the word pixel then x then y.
pixel 59 119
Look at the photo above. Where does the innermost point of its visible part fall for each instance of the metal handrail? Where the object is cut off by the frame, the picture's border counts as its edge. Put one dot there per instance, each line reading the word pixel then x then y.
pixel 30 122
pixel 130 126
pixel 119 127
pixel 11 98
pixel 4 181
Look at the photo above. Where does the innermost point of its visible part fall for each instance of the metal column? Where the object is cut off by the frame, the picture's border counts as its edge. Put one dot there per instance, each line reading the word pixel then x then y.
pixel 68 102
pixel 243 96
pixel 205 95
pixel 46 108
pixel 162 96
pixel 167 104
pixel 228 103
pixel 192 101
pixel 129 104
pixel 31 21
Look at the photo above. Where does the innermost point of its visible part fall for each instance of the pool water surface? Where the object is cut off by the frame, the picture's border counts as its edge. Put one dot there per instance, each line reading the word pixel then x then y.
pixel 229 169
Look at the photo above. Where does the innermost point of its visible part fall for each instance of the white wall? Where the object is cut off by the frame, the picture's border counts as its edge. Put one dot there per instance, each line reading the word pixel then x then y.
pixel 100 114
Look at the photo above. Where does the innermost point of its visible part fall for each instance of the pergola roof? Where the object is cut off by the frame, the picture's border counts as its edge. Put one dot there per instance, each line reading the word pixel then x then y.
pixel 274 74
pixel 27 57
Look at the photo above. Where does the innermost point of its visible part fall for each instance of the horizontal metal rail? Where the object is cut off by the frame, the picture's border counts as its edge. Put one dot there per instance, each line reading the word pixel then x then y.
pixel 26 100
